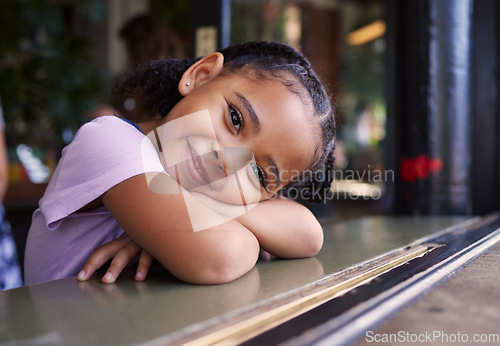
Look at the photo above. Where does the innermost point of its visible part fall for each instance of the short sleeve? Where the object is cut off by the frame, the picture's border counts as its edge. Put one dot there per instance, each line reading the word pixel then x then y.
pixel 103 153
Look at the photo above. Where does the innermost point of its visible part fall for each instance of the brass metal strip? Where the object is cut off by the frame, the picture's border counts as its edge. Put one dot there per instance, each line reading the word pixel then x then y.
pixel 255 325
pixel 369 313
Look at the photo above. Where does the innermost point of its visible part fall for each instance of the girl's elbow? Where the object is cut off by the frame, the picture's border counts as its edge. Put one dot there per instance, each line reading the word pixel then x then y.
pixel 314 242
pixel 224 272
pixel 234 263
pixel 312 235
pixel 317 241
pixel 231 261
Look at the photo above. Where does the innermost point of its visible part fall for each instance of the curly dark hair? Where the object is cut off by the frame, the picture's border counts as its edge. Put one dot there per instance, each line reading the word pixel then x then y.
pixel 158 82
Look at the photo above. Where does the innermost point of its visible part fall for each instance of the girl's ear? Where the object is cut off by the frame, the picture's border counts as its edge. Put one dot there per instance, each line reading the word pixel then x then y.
pixel 200 72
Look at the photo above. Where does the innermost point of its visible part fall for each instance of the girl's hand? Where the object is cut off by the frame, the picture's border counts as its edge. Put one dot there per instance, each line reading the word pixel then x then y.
pixel 123 250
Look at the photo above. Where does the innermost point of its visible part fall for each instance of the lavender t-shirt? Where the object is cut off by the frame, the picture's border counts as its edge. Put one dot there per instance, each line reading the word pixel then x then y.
pixel 104 152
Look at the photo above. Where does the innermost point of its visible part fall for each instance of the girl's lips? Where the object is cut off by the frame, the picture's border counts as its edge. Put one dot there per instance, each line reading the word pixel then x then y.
pixel 195 167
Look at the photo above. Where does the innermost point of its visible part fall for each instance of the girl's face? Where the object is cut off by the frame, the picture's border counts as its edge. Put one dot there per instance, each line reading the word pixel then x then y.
pixel 233 138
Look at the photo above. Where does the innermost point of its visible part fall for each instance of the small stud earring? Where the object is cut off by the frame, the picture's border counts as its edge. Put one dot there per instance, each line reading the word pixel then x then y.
pixel 188 83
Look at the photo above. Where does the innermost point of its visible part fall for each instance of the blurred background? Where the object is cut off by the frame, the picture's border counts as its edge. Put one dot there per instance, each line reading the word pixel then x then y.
pixel 415 85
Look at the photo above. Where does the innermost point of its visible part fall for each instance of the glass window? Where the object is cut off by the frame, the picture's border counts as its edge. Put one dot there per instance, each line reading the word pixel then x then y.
pixel 345 42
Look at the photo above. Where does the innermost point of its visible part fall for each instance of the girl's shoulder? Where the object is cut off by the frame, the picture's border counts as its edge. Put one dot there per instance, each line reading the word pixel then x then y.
pixel 104 121
pixel 107 127
pixel 107 141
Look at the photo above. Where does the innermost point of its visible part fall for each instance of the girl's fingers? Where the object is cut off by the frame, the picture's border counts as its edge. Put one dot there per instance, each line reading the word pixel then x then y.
pixel 145 262
pixel 122 250
pixel 101 256
pixel 120 261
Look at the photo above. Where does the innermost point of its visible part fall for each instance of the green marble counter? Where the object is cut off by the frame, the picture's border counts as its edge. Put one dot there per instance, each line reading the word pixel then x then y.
pixel 163 310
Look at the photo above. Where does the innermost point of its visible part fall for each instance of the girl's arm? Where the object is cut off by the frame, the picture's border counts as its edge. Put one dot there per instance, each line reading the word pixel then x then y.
pixel 160 224
pixel 284 228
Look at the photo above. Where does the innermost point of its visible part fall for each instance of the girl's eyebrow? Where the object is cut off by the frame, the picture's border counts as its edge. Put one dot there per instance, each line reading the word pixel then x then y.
pixel 251 112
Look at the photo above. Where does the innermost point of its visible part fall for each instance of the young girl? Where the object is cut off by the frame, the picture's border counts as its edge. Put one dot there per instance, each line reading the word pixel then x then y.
pixel 257 107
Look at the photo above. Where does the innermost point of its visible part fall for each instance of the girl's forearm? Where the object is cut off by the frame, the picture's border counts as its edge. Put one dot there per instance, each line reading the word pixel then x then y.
pixel 284 228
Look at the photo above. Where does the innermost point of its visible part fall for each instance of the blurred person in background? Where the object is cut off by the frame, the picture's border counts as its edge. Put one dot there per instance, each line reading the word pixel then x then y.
pixel 146 37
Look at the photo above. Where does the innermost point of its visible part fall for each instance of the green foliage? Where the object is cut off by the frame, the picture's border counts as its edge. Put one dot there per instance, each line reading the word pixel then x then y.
pixel 46 82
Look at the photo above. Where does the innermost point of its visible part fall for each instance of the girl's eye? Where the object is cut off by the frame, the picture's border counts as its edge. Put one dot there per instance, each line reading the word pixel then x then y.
pixel 235 118
pixel 259 173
